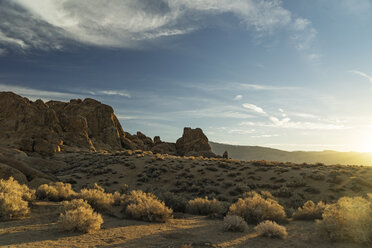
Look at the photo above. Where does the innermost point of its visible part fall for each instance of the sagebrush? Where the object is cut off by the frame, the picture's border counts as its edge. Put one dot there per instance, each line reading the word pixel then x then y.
pixel 234 223
pixel 58 191
pixel 78 216
pixel 349 219
pixel 145 206
pixel 255 209
pixel 14 199
pixel 205 206
pixel 271 229
pixel 309 211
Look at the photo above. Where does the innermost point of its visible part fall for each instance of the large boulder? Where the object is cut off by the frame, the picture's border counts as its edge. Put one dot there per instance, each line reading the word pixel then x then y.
pixel 50 127
pixel 192 140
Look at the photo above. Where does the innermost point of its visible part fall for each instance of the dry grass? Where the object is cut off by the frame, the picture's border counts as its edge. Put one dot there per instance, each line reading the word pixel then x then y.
pixel 256 208
pixel 205 206
pixel 309 211
pixel 78 216
pixel 145 206
pixel 58 191
pixel 99 199
pixel 271 229
pixel 234 223
pixel 14 199
pixel 350 219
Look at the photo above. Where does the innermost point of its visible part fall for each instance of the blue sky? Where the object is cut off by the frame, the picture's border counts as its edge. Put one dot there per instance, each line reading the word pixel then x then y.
pixel 293 75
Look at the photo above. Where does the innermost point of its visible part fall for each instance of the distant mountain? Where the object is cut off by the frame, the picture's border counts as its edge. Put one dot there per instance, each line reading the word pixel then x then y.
pixel 265 153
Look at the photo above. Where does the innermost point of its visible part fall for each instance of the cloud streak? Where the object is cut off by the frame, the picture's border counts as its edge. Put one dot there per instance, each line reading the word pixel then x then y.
pixel 254 108
pixel 362 74
pixel 49 24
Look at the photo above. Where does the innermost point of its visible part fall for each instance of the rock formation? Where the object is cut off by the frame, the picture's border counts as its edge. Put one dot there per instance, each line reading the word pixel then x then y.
pixel 49 127
pixel 192 140
pixel 80 125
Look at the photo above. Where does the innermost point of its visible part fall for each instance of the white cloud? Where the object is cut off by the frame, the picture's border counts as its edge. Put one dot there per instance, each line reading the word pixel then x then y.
pixel 265 87
pixel 241 131
pixel 114 93
pixel 238 97
pixel 265 136
pixel 34 94
pixel 48 24
pixel 287 123
pixel 362 74
pixel 254 108
pixel 301 24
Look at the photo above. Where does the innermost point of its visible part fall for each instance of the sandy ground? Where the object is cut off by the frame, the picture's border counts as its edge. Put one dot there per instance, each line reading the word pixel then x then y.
pixel 41 230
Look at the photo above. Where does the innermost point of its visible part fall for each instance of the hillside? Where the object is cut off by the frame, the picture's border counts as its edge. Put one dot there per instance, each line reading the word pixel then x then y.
pixel 265 153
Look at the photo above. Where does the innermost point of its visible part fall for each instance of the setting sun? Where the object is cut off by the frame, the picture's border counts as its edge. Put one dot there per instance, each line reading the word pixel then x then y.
pixel 366 143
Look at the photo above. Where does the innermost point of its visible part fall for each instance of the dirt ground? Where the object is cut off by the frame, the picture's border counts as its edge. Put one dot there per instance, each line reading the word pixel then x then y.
pixel 41 230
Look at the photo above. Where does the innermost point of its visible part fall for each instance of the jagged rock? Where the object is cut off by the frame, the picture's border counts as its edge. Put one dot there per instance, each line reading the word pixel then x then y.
pixel 157 140
pixel 29 126
pixel 165 147
pixel 192 140
pixel 225 155
pixel 50 127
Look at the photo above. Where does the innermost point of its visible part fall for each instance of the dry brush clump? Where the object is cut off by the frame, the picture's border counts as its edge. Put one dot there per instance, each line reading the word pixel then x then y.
pixel 271 229
pixel 99 199
pixel 58 191
pixel 78 216
pixel 14 199
pixel 256 208
pixel 234 223
pixel 349 219
pixel 145 206
pixel 205 206
pixel 309 211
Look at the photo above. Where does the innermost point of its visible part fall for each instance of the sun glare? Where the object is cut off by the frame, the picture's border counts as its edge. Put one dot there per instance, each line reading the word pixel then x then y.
pixel 366 145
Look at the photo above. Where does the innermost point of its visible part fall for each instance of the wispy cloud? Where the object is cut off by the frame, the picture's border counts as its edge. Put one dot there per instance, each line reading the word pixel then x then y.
pixel 362 74
pixel 265 87
pixel 287 123
pixel 34 94
pixel 254 108
pixel 48 24
pixel 238 97
pixel 114 93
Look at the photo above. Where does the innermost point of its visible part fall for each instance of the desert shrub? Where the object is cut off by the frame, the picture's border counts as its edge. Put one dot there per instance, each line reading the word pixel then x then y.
pixel 234 223
pixel 145 206
pixel 58 191
pixel 271 229
pixel 205 206
pixel 263 193
pixel 98 198
pixel 283 192
pixel 255 209
pixel 309 211
pixel 349 219
pixel 79 216
pixel 12 186
pixel 14 199
pixel 175 201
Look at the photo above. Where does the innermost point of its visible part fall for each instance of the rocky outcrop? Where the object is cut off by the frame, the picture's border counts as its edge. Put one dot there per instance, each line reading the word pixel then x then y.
pixel 81 125
pixel 192 140
pixel 49 127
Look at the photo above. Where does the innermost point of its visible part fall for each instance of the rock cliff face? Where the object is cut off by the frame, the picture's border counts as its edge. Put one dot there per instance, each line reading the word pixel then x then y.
pixel 54 126
pixel 192 141
pixel 80 125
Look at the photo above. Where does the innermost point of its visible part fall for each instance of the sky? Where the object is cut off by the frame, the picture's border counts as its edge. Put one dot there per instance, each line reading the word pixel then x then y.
pixel 292 74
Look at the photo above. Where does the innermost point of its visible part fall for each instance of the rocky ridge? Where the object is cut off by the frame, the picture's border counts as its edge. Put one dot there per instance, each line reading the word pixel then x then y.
pixel 81 125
